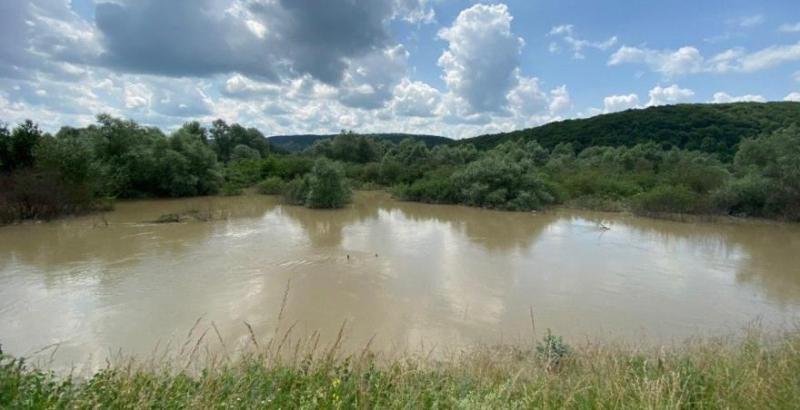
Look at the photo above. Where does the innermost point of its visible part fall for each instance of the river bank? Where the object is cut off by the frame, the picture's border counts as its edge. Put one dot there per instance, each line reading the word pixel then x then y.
pixel 753 370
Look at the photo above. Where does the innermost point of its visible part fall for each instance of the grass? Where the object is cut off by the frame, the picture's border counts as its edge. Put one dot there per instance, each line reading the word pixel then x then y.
pixel 750 371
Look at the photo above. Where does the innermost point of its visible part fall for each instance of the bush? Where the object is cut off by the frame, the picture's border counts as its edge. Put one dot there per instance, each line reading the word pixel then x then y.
pixel 29 194
pixel 270 186
pixel 231 189
pixel 669 199
pixel 296 190
pixel 327 186
pixel 434 187
pixel 552 350
pixel 746 196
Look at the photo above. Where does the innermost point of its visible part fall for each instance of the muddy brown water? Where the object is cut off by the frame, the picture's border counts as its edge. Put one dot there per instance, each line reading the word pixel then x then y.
pixel 408 274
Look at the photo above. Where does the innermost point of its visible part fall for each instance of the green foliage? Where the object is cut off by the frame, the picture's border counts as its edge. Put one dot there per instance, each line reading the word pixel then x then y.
pixel 669 199
pixel 327 187
pixel 296 191
pixel 774 160
pixel 507 177
pixel 676 159
pixel 243 152
pixel 434 187
pixel 744 373
pixel 711 128
pixel 225 139
pixel 299 143
pixel 552 350
pixel 271 186
pixel 17 146
pixel 348 147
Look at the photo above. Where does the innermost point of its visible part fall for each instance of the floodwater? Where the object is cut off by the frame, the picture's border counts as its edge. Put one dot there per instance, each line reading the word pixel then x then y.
pixel 408 274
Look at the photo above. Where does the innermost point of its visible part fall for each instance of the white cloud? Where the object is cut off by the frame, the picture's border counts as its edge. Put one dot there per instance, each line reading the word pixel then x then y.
pixel 795 96
pixel 369 81
pixel 770 57
pixel 722 97
pixel 559 100
pixel 137 96
pixel 614 103
pixel 415 99
pixel 568 35
pixel 790 28
pixel 685 60
pixel 689 60
pixel 669 95
pixel 414 11
pixel 482 57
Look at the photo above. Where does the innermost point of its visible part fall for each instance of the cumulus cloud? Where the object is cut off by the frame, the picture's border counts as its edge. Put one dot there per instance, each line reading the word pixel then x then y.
pixel 795 96
pixel 370 80
pixel 559 100
pixel 567 34
pixel 669 95
pixel 283 66
pixel 614 103
pixel 415 99
pixel 44 35
pixel 722 97
pixel 414 11
pixel 260 38
pixel 689 60
pixel 480 63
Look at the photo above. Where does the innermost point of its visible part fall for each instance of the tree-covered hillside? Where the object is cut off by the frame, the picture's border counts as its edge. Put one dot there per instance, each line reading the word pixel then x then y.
pixel 713 128
pixel 298 143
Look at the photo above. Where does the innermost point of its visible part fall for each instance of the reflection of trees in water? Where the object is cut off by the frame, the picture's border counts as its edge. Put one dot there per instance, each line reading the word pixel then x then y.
pixel 769 251
pixel 324 226
pixel 492 230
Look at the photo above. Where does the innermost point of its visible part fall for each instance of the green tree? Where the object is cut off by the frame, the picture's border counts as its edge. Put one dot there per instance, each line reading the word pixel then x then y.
pixel 327 186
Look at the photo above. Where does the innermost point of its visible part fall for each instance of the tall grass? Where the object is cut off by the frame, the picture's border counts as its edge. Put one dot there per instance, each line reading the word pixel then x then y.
pixel 754 370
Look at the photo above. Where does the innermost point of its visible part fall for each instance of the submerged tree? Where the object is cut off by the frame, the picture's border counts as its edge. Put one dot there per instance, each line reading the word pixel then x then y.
pixel 327 186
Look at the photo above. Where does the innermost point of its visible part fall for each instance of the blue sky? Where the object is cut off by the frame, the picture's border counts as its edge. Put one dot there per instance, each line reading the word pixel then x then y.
pixel 450 67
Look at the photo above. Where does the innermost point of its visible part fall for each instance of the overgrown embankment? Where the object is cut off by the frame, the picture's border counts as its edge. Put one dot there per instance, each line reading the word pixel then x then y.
pixel 749 372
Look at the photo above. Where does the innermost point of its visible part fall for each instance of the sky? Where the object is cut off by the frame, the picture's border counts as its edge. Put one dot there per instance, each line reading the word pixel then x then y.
pixel 455 68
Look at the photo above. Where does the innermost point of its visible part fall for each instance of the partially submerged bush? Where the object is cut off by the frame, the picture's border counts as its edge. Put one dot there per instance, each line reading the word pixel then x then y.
pixel 296 190
pixel 669 199
pixel 327 187
pixel 270 186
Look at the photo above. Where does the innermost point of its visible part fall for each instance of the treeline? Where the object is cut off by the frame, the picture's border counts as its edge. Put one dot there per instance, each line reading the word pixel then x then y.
pixel 76 169
pixel 711 128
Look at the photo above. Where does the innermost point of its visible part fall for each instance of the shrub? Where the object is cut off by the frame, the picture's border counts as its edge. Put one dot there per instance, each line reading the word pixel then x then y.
pixel 668 199
pixel 552 350
pixel 296 191
pixel 231 189
pixel 270 186
pixel 327 186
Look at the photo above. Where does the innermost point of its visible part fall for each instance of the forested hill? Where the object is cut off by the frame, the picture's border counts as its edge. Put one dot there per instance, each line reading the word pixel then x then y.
pixel 297 143
pixel 707 127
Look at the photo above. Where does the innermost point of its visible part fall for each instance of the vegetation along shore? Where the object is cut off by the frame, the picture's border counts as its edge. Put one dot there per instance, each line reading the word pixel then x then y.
pixel 750 371
pixel 724 159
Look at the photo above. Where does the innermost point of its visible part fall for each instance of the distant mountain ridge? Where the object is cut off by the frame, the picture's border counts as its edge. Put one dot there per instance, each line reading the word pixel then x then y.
pixel 707 127
pixel 297 143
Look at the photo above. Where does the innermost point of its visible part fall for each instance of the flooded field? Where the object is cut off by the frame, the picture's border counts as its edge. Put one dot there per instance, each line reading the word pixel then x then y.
pixel 408 274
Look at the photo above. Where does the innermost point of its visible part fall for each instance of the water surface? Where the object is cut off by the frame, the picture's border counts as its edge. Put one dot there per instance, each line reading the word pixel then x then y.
pixel 409 274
